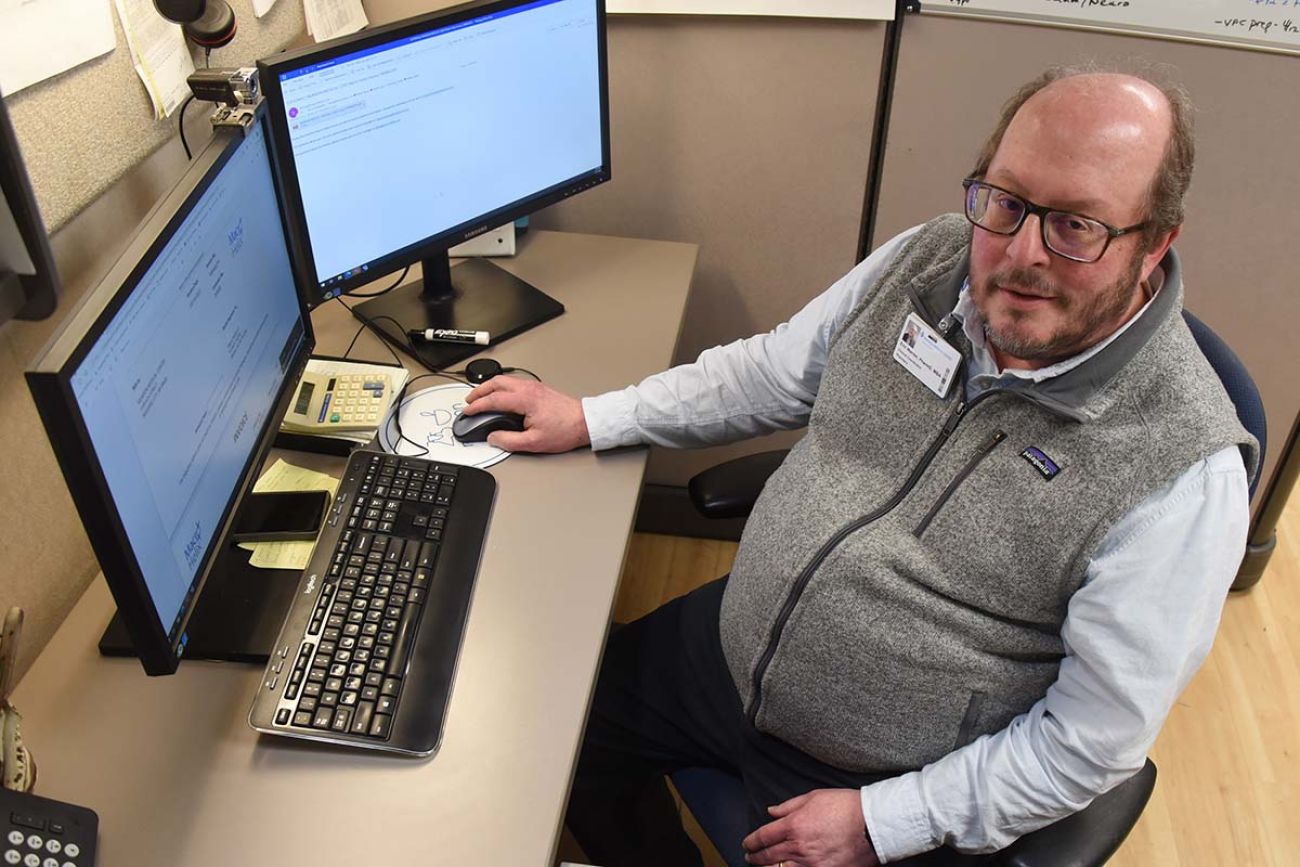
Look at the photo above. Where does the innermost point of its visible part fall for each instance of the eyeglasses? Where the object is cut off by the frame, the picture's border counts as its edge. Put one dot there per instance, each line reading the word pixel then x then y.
pixel 1070 236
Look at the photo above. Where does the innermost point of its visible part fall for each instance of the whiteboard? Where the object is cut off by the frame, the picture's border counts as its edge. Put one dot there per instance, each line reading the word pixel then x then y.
pixel 1269 25
pixel 871 10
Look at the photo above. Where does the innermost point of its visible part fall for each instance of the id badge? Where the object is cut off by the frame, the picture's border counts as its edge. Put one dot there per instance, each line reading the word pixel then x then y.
pixel 926 355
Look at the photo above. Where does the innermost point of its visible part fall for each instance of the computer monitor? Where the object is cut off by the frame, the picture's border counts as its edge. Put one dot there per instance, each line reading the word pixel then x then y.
pixel 164 390
pixel 396 143
pixel 29 282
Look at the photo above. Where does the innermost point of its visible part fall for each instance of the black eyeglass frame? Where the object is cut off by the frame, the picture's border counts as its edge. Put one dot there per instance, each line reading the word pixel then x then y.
pixel 1041 212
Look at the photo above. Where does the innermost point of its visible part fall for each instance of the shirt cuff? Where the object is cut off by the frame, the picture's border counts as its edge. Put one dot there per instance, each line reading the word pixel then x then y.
pixel 611 419
pixel 896 818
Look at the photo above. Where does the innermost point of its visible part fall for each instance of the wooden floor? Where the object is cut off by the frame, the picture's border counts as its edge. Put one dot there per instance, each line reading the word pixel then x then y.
pixel 1228 791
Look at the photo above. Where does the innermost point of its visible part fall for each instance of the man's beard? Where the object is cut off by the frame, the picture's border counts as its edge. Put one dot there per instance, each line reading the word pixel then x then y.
pixel 1083 317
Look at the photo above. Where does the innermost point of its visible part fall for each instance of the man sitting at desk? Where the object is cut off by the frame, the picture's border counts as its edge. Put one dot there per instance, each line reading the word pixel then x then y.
pixel 963 606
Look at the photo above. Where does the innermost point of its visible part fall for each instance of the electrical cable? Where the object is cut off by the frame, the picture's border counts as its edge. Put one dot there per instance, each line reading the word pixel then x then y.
pixel 181 123
pixel 367 322
pixel 396 283
pixel 521 370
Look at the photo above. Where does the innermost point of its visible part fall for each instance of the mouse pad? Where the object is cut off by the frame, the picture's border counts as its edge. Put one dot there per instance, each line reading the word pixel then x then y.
pixel 426 421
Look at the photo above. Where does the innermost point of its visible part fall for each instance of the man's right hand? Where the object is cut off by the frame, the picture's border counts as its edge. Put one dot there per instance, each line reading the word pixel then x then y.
pixel 553 421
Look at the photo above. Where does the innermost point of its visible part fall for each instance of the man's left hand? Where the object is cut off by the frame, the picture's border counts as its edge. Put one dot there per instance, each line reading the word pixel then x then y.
pixel 822 828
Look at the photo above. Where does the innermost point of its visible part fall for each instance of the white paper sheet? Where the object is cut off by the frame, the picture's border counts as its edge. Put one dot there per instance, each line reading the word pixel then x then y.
pixel 41 38
pixel 426 424
pixel 261 7
pixel 162 59
pixel 327 19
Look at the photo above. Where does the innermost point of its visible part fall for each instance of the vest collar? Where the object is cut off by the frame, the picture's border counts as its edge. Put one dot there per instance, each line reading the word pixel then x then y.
pixel 1079 393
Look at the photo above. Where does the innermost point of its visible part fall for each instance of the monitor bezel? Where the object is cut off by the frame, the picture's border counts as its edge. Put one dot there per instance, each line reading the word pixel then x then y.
pixel 50 380
pixel 40 290
pixel 286 171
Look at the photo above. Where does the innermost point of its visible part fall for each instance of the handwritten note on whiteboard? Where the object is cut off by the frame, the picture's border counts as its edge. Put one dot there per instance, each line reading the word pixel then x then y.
pixel 1272 25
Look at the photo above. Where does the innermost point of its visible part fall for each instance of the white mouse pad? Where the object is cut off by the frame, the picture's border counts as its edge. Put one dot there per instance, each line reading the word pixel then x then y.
pixel 426 421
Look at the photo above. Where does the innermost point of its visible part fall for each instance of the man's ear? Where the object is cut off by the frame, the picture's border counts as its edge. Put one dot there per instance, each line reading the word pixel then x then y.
pixel 1151 258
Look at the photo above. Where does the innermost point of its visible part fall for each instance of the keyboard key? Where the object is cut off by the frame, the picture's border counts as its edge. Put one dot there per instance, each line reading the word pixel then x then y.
pixel 324 718
pixel 404 641
pixel 361 718
pixel 342 717
pixel 381 726
pixel 302 718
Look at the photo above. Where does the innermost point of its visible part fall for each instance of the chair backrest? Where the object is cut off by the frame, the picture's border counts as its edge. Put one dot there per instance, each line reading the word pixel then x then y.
pixel 1236 381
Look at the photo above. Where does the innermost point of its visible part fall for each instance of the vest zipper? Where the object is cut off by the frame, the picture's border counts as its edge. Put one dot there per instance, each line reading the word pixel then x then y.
pixel 989 445
pixel 774 637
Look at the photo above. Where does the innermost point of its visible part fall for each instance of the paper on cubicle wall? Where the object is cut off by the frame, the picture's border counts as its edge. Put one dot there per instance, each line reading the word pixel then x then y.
pixel 284 476
pixel 41 38
pixel 327 19
pixel 868 10
pixel 426 424
pixel 162 59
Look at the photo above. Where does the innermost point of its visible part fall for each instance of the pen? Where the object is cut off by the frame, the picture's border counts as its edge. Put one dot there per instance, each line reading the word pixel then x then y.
pixel 451 335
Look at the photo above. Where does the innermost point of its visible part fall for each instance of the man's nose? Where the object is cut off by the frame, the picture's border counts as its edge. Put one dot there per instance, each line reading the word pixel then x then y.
pixel 1026 248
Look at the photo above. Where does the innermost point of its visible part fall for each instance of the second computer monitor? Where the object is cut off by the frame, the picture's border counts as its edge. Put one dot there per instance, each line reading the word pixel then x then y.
pixel 395 144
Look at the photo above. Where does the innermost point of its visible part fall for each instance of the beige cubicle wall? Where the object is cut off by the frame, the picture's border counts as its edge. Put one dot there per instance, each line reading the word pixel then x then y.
pixel 953 76
pixel 750 137
pixel 98 163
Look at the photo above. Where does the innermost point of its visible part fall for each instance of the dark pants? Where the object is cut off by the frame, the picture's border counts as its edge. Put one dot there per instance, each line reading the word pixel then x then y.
pixel 665 701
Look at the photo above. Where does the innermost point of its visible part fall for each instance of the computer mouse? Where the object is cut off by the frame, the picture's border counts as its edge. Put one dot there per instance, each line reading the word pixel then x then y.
pixel 475 428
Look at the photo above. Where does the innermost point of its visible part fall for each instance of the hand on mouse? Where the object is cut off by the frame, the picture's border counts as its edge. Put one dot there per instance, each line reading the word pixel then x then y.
pixel 553 421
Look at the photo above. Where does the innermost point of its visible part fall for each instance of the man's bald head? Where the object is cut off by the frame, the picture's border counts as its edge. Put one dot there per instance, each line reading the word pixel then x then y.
pixel 1120 112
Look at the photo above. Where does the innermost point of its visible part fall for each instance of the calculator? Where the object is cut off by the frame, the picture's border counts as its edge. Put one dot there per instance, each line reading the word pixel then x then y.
pixel 330 402
pixel 42 832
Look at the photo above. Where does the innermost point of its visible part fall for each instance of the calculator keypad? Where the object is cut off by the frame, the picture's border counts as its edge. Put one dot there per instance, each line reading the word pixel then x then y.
pixel 356 399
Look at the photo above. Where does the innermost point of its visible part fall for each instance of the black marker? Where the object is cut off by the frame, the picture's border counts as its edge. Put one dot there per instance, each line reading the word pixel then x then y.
pixel 451 335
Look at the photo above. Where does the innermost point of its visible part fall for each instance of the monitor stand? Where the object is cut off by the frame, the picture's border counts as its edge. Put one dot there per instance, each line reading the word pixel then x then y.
pixel 476 295
pixel 237 617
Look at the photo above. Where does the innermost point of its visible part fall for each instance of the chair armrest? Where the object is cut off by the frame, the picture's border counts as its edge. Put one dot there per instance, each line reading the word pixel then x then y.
pixel 730 489
pixel 1089 837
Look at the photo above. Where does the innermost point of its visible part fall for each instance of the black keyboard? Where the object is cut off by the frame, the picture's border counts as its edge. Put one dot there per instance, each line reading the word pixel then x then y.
pixel 367 653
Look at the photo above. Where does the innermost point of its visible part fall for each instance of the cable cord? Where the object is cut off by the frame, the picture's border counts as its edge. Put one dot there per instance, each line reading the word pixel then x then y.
pixel 385 291
pixel 181 123
pixel 368 322
pixel 521 370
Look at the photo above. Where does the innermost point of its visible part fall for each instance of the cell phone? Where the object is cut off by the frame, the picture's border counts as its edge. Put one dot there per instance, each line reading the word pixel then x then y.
pixel 281 516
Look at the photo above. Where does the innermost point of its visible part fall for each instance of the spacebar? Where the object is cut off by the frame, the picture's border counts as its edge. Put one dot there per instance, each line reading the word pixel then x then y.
pixel 404 640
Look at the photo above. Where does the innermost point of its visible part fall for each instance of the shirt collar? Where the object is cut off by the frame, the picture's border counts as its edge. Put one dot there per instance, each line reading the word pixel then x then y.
pixel 983 369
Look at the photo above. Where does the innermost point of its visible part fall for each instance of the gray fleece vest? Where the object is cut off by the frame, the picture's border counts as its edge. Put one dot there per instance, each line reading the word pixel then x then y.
pixel 902 581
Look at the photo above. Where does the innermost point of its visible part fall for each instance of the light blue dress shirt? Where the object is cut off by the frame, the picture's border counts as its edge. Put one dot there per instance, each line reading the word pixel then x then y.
pixel 1135 632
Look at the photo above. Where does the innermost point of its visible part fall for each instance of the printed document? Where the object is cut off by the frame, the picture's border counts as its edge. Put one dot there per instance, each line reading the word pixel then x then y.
pixel 41 38
pixel 162 59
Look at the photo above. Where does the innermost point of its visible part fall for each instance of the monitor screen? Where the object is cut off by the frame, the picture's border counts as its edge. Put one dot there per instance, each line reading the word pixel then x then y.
pixel 176 383
pixel 424 134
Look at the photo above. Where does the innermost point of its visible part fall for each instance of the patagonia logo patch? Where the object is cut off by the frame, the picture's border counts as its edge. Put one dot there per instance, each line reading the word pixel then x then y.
pixel 1041 462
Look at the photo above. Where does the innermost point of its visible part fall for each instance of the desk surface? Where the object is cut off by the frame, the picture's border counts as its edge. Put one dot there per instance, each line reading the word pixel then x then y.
pixel 178 777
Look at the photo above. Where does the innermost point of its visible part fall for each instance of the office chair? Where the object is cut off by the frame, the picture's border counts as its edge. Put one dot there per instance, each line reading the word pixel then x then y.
pixel 1088 838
